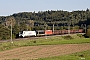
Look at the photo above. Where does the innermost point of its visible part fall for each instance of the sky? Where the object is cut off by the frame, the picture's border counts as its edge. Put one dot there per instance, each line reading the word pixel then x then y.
pixel 9 7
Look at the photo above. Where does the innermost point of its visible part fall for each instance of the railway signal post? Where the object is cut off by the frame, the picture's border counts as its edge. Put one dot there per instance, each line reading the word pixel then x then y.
pixel 68 28
pixel 11 31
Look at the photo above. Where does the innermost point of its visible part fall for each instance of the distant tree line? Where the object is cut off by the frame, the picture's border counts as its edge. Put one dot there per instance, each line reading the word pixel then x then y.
pixel 43 20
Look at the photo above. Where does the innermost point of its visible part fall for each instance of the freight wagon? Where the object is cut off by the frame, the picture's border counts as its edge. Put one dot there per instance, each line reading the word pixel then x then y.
pixel 48 32
pixel 44 32
pixel 40 32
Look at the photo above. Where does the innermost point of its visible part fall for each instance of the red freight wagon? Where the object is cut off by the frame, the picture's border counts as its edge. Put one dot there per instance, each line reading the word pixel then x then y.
pixel 48 32
pixel 80 31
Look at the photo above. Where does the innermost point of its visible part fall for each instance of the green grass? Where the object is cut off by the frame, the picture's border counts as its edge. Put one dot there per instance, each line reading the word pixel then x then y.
pixel 85 55
pixel 43 41
pixel 73 41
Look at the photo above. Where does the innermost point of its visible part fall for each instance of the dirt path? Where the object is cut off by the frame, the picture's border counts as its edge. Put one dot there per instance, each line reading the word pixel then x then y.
pixel 34 52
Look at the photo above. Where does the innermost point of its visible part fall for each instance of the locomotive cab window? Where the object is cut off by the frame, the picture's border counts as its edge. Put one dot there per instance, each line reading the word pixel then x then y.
pixel 21 32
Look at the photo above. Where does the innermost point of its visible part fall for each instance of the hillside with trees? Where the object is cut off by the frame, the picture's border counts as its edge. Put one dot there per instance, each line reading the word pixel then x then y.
pixel 43 20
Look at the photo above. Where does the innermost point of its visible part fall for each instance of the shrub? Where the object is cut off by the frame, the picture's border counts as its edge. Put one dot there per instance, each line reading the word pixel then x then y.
pixel 80 35
pixel 88 33
pixel 67 37
pixel 34 41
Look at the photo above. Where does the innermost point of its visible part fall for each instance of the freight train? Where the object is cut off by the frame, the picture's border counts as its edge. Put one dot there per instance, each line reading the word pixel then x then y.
pixel 48 32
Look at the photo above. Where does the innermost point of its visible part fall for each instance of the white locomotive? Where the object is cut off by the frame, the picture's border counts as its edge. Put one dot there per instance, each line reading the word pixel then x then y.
pixel 27 33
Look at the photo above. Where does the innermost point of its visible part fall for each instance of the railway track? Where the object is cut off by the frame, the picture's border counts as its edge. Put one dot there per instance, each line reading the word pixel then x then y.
pixel 31 38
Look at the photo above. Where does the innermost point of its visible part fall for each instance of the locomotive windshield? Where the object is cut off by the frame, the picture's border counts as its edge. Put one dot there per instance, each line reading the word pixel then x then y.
pixel 21 32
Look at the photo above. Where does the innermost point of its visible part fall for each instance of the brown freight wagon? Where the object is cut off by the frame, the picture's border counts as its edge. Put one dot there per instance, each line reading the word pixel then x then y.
pixel 80 31
pixel 57 32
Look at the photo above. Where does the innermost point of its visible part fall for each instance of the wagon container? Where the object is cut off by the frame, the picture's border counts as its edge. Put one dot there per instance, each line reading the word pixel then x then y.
pixel 40 32
pixel 48 32
pixel 71 31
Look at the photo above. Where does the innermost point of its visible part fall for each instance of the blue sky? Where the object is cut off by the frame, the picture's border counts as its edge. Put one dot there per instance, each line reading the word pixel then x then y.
pixel 9 7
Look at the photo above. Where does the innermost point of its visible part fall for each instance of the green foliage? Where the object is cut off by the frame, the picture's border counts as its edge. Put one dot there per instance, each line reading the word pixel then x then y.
pixel 4 32
pixel 58 18
pixel 67 37
pixel 88 33
pixel 76 27
pixel 88 26
pixel 80 35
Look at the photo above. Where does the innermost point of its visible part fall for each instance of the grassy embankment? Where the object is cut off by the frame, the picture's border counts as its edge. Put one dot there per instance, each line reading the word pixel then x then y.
pixel 73 39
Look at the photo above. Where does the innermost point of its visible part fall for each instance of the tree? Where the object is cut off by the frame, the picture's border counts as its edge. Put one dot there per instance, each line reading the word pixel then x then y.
pixel 23 27
pixel 88 33
pixel 10 20
pixel 4 33
pixel 87 9
pixel 15 31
